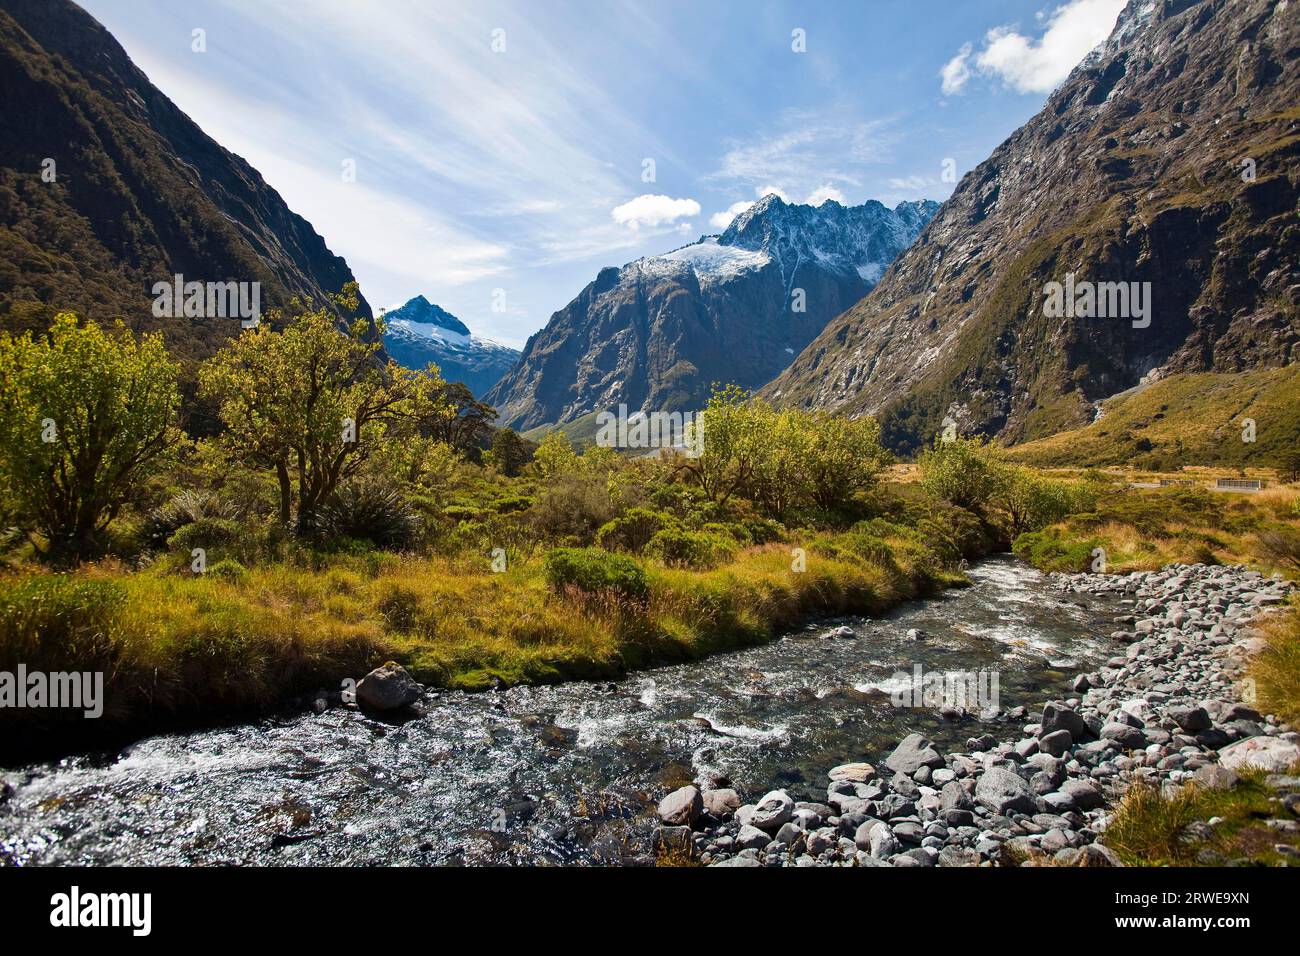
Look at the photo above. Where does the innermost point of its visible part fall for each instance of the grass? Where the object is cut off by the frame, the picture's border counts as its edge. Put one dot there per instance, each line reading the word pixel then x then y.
pixel 1276 669
pixel 1144 529
pixel 1148 829
pixel 1192 417
pixel 176 645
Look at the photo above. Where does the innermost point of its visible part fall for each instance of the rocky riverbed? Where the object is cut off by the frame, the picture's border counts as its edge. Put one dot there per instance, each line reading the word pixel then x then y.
pixel 1170 706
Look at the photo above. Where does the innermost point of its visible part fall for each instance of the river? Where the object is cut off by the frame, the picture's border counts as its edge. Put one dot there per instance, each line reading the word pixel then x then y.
pixel 561 774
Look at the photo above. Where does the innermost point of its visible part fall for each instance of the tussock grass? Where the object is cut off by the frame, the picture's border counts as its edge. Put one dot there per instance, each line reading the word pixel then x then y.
pixel 1149 829
pixel 1276 669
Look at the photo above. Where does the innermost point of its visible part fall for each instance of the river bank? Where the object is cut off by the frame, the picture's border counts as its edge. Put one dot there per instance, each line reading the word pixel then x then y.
pixel 1166 707
pixel 564 773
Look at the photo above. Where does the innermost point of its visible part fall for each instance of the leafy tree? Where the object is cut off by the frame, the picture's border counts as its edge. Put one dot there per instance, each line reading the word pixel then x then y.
pixel 462 421
pixel 731 442
pixel 83 414
pixel 963 471
pixel 314 402
pixel 1034 501
pixel 555 455
pixel 845 457
pixel 1289 465
pixel 509 451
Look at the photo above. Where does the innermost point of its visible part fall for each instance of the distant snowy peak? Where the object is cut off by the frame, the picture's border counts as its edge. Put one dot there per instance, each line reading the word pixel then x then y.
pixel 420 332
pixel 861 239
pixel 420 311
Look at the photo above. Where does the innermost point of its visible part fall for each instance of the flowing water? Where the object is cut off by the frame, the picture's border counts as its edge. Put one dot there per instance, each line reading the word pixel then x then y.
pixel 560 774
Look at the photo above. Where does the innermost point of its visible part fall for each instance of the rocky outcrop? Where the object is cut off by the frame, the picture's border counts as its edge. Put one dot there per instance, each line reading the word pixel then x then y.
pixel 139 193
pixel 736 308
pixel 1007 798
pixel 1167 157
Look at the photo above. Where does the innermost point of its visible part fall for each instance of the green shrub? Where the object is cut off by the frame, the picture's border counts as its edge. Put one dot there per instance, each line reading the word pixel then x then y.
pixel 963 471
pixel 594 571
pixel 633 530
pixel 370 511
pixel 680 548
pixel 184 509
pixel 228 569
pixel 1048 550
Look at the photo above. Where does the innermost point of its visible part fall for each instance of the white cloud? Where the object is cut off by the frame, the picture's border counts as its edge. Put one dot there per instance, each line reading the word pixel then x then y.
pixel 651 209
pixel 1027 65
pixel 721 220
pixel 956 72
pixel 822 193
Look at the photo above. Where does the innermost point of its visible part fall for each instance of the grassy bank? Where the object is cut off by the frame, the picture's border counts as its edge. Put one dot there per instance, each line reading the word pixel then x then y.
pixel 240 640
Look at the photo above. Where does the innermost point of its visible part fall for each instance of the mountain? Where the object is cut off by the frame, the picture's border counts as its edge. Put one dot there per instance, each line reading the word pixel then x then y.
pixel 420 332
pixel 1134 171
pixel 657 333
pixel 139 192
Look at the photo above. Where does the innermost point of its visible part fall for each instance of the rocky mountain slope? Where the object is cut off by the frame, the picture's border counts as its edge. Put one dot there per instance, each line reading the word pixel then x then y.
pixel 657 333
pixel 420 332
pixel 1168 156
pixel 139 192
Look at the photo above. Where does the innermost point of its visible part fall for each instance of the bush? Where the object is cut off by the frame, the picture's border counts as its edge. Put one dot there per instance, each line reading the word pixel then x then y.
pixel 962 471
pixel 632 531
pixel 230 570
pixel 368 511
pixel 680 548
pixel 573 509
pixel 1048 550
pixel 593 571
pixel 184 509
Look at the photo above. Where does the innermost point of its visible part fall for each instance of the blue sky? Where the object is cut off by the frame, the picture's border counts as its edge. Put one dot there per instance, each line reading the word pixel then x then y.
pixel 500 148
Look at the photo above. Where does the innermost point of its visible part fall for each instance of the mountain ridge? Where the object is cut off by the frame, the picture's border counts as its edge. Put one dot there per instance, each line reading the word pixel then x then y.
pixel 140 192
pixel 660 330
pixel 1130 172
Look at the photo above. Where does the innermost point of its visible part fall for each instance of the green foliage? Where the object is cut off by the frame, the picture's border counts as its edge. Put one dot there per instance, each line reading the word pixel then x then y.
pixel 370 511
pixel 963 471
pixel 632 530
pixel 679 548
pixel 595 571
pixel 555 455
pixel 1033 501
pixel 185 508
pixel 315 402
pixel 1051 550
pixel 509 451
pixel 83 416
pixel 228 569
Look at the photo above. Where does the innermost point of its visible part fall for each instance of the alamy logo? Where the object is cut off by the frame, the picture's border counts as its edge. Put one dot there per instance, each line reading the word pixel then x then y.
pixel 60 690
pixel 967 690
pixel 179 299
pixel 73 909
pixel 1098 300
pixel 683 430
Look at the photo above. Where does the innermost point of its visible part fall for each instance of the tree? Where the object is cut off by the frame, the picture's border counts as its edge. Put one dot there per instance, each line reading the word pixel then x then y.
pixel 555 455
pixel 314 402
pixel 83 414
pixel 844 458
pixel 731 440
pixel 509 451
pixel 463 422
pixel 1289 465
pixel 963 471
pixel 1033 501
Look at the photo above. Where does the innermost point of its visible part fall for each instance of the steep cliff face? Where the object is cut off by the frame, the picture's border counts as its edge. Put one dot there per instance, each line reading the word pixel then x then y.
pixel 139 192
pixel 420 332
pixel 736 308
pixel 1168 157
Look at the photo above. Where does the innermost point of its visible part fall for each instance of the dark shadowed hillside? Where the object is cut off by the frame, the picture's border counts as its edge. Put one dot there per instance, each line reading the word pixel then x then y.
pixel 140 192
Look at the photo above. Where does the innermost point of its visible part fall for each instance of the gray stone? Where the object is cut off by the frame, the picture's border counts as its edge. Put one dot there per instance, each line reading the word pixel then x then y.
pixel 388 687
pixel 913 753
pixel 1056 743
pixel 682 807
pixel 1003 790
pixel 721 803
pixel 772 811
